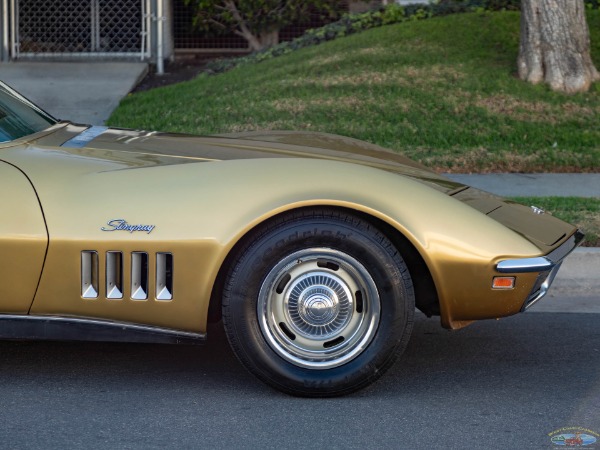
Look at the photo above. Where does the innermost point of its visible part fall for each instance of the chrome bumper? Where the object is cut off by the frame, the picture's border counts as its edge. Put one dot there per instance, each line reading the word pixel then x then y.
pixel 548 267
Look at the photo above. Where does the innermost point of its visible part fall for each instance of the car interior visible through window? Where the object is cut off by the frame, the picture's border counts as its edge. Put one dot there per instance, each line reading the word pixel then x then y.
pixel 19 117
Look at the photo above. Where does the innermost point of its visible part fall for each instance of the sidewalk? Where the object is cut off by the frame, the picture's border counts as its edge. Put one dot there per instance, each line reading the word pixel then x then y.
pixel 534 184
pixel 79 91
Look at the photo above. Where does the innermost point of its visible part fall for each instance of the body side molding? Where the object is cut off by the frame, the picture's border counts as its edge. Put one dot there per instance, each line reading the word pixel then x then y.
pixel 28 327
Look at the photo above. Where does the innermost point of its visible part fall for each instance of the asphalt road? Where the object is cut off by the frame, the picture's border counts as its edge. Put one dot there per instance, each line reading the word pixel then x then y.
pixel 494 385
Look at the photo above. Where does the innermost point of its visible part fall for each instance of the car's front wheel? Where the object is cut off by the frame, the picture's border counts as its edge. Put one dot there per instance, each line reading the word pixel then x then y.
pixel 318 303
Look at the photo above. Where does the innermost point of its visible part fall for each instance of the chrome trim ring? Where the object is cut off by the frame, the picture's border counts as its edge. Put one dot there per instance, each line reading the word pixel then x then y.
pixel 318 308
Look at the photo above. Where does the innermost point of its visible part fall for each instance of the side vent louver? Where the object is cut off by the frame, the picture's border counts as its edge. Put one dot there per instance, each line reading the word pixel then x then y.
pixel 147 281
pixel 89 274
pixel 114 275
pixel 164 276
pixel 139 276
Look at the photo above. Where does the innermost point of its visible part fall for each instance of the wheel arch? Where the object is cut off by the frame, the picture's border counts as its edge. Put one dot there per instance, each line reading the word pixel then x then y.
pixel 426 296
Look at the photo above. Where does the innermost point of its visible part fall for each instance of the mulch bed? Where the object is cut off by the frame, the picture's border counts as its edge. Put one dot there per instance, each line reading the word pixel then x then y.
pixel 175 72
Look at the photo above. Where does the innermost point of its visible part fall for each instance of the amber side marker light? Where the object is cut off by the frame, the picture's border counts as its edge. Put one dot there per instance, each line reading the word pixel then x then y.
pixel 503 283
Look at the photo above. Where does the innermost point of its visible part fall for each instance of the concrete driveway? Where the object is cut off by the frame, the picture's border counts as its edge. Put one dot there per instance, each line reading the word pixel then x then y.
pixel 78 91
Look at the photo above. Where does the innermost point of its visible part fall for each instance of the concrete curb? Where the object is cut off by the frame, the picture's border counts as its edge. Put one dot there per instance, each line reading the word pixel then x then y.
pixel 580 270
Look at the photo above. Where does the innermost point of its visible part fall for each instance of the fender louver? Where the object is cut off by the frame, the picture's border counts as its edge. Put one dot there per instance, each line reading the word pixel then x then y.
pixel 139 282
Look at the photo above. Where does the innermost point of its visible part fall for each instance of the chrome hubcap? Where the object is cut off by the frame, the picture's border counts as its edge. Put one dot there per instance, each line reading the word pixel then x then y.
pixel 318 308
pixel 319 304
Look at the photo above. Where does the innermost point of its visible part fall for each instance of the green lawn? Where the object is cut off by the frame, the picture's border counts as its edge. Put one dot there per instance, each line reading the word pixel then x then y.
pixel 442 91
pixel 582 212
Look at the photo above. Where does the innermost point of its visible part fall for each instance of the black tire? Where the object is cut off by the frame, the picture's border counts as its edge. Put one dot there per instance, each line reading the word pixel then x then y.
pixel 318 303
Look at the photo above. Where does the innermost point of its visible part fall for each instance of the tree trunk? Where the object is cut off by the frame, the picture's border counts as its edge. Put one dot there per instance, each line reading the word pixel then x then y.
pixel 262 41
pixel 555 45
pixel 253 41
pixel 256 43
pixel 269 38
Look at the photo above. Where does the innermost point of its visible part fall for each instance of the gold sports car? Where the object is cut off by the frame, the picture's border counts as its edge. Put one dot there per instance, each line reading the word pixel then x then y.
pixel 314 249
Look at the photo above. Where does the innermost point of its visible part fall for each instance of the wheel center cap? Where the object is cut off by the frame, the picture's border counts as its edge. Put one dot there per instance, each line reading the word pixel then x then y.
pixel 318 305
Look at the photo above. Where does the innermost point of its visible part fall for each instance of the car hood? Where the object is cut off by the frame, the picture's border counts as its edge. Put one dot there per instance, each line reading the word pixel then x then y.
pixel 152 148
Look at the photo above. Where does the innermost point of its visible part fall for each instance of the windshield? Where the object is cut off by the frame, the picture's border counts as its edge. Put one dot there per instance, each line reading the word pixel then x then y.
pixel 19 117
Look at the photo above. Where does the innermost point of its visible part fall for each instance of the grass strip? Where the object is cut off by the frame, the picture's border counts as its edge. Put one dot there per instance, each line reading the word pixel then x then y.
pixel 442 91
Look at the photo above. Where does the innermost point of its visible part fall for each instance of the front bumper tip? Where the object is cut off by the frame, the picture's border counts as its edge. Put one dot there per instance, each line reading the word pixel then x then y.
pixel 547 266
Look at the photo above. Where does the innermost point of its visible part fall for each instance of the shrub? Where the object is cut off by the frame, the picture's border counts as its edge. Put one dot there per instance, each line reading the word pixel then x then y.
pixel 354 23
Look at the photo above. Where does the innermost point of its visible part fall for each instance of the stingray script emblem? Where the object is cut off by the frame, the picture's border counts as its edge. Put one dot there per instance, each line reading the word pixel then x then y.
pixel 122 225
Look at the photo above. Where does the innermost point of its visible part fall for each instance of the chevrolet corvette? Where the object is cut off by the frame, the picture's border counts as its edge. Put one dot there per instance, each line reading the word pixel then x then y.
pixel 313 249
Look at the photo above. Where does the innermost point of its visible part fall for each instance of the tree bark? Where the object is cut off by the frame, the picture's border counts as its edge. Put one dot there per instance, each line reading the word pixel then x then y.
pixel 243 31
pixel 256 43
pixel 269 38
pixel 555 45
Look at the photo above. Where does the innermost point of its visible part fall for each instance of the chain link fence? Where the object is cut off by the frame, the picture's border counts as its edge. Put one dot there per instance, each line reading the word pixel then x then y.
pixel 80 27
pixel 123 28
pixel 189 39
